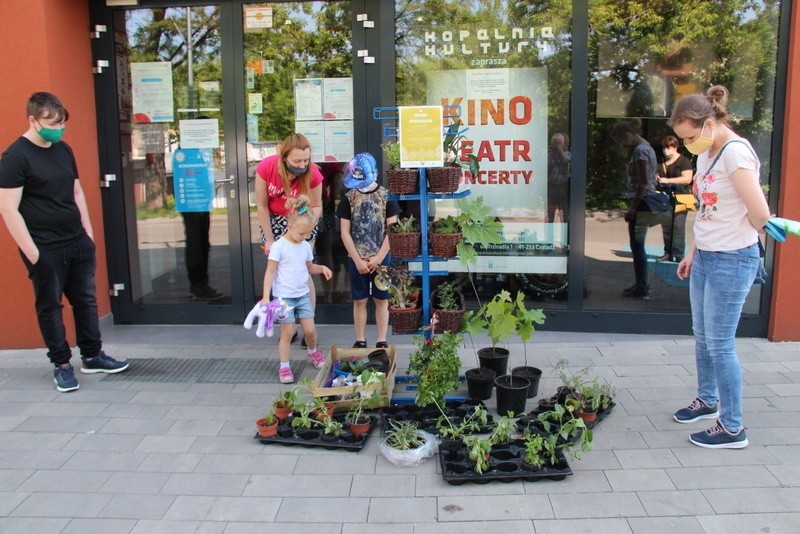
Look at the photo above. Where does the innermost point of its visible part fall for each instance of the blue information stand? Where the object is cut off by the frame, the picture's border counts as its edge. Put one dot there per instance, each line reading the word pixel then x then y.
pixel 425 259
pixel 425 273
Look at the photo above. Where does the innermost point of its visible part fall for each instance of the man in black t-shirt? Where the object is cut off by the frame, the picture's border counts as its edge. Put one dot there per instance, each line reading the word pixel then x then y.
pixel 43 206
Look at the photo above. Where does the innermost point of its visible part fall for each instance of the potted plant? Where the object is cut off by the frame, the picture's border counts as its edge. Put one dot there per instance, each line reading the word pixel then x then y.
pixel 444 235
pixel 453 434
pixel 322 409
pixel 534 457
pixel 406 445
pixel 358 421
pixel 268 425
pixel 446 179
pixel 399 181
pixel 565 428
pixel 404 238
pixel 436 364
pixel 284 403
pixel 403 312
pixel 332 429
pixel 479 451
pixel 457 235
pixel 303 420
pixel 500 318
pixel 448 305
pixel 593 396
pixel 501 435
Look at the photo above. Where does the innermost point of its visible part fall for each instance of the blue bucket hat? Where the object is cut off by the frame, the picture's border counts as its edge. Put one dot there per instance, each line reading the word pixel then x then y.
pixel 362 171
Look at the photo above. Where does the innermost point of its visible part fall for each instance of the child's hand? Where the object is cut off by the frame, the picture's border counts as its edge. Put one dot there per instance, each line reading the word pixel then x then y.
pixel 326 272
pixel 362 266
pixel 373 263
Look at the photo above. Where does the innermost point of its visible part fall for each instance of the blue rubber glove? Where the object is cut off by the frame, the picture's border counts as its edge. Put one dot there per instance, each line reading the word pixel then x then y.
pixel 778 228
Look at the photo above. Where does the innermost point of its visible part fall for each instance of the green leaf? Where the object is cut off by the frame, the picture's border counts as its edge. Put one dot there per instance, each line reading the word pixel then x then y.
pixel 466 253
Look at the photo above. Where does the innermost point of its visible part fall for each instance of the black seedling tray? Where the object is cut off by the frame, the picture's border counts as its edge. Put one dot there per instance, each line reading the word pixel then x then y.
pixel 315 437
pixel 425 416
pixel 505 465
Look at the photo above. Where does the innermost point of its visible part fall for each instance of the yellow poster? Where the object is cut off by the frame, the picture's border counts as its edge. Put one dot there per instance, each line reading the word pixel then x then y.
pixel 420 136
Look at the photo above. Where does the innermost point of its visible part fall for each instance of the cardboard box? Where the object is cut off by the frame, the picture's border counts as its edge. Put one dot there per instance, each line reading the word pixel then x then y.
pixel 318 388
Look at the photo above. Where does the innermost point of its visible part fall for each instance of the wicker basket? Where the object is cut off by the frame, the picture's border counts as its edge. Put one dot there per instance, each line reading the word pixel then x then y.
pixel 443 179
pixel 444 245
pixel 404 321
pixel 402 181
pixel 450 320
pixel 404 245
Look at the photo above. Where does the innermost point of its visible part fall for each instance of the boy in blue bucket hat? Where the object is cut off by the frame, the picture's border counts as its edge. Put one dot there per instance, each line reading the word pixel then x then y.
pixel 365 214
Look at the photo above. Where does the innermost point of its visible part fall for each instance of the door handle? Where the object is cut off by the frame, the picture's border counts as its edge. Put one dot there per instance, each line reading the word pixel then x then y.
pixel 229 180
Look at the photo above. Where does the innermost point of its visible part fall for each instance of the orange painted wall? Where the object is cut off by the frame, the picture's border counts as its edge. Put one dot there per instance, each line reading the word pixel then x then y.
pixel 46 47
pixel 783 324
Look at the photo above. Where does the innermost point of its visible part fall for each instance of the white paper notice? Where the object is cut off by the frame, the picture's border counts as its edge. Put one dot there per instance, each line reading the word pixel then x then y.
pixel 255 103
pixel 256 18
pixel 487 84
pixel 338 140
pixel 315 133
pixel 151 84
pixel 308 99
pixel 199 133
pixel 338 99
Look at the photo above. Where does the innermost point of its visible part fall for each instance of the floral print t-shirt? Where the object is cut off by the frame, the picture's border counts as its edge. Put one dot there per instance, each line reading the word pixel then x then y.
pixel 721 222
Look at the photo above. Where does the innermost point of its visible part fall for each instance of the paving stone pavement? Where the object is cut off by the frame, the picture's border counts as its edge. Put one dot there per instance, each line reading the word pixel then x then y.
pixel 146 457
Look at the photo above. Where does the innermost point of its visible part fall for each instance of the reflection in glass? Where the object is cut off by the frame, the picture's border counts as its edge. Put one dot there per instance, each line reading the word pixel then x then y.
pixel 639 66
pixel 507 64
pixel 298 78
pixel 170 95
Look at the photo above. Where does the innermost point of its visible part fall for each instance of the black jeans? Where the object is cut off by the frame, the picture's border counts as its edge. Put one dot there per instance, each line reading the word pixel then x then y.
pixel 67 271
pixel 196 226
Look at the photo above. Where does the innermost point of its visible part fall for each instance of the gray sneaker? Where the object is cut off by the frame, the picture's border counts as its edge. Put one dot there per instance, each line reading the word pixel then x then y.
pixel 65 380
pixel 102 363
pixel 719 437
pixel 695 411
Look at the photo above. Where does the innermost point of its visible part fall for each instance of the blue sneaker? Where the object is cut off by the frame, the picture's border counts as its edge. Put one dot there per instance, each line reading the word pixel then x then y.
pixel 718 437
pixel 695 411
pixel 65 380
pixel 102 363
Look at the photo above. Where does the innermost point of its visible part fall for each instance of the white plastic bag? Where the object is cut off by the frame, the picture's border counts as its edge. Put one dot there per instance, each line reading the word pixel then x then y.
pixel 411 457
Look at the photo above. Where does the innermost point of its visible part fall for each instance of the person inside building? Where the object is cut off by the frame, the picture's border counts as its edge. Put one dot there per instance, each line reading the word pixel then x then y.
pixel 44 208
pixel 722 262
pixel 674 174
pixel 646 206
pixel 287 174
pixel 558 176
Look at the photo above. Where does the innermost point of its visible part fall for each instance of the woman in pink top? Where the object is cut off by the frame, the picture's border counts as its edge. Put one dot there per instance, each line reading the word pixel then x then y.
pixel 289 173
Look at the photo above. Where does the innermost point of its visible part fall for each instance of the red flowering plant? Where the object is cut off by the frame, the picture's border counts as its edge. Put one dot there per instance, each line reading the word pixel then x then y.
pixel 436 364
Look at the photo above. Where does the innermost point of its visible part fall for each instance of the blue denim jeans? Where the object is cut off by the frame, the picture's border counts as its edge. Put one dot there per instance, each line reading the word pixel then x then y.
pixel 66 271
pixel 718 285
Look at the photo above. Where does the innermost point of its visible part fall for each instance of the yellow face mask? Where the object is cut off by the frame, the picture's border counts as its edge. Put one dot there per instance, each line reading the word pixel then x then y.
pixel 701 144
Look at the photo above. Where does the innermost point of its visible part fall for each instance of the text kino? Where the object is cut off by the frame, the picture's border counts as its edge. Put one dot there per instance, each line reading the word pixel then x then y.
pixel 520 110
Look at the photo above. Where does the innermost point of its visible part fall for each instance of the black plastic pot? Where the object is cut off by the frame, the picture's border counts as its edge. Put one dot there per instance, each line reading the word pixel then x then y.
pixel 480 382
pixel 534 374
pixel 512 393
pixel 495 358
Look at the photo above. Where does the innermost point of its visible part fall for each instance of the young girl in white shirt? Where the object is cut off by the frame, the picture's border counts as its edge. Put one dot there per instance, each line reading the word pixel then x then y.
pixel 288 269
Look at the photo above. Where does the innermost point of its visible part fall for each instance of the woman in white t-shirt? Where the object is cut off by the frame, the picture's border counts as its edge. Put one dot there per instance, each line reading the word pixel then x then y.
pixel 722 262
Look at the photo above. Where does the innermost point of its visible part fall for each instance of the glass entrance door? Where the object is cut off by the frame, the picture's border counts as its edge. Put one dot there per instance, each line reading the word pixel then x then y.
pixel 299 79
pixel 201 95
pixel 178 169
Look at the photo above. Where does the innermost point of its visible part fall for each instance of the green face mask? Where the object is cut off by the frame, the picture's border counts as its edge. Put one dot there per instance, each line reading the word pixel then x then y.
pixel 51 135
